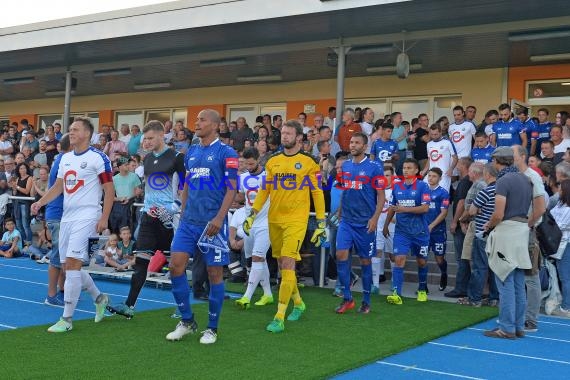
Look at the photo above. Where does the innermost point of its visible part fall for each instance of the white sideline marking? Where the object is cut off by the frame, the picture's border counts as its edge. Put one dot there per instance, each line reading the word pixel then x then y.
pixel 7 326
pixel 554 323
pixel 16 266
pixel 414 368
pixel 530 335
pixel 110 294
pixel 499 353
pixel 40 303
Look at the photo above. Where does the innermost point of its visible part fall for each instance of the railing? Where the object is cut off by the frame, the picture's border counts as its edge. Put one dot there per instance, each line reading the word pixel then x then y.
pixel 137 205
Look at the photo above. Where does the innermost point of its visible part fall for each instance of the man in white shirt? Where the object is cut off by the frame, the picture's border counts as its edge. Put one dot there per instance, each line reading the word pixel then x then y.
pixel 441 154
pixel 461 133
pixel 6 147
pixel 125 135
pixel 329 120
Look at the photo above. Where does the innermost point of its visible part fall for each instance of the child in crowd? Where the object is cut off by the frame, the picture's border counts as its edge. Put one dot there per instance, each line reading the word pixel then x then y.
pixel 127 245
pixel 39 251
pixel 11 244
pixel 113 255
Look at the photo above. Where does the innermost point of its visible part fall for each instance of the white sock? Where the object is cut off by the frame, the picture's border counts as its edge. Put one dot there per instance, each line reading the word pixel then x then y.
pixel 265 284
pixel 375 271
pixel 382 262
pixel 88 285
pixel 255 276
pixel 72 288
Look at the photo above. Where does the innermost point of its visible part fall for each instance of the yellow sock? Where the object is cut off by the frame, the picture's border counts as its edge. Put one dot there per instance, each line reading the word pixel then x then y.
pixel 288 283
pixel 296 295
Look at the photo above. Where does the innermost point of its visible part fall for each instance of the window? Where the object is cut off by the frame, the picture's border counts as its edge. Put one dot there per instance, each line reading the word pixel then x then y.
pixel 548 92
pixel 378 106
pixel 443 106
pixel 180 114
pixel 411 108
pixel 45 120
pixel 4 122
pixel 161 115
pixel 130 118
pixel 251 112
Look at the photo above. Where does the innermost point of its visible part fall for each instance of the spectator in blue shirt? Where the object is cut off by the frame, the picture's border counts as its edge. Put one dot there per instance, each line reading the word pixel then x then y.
pixel 483 150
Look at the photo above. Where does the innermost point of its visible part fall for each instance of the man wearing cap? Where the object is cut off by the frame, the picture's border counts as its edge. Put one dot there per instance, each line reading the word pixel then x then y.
pixel 507 244
pixel 126 184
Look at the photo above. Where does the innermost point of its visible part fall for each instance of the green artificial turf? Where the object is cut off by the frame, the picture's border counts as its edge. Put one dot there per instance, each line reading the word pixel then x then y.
pixel 320 345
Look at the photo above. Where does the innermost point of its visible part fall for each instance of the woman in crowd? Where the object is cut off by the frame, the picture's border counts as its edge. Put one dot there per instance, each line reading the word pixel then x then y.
pixel 22 184
pixel 561 213
pixel 115 147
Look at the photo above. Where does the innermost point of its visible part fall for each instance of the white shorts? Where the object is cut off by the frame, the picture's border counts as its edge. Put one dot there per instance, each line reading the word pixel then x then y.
pixel 74 238
pixel 385 244
pixel 257 243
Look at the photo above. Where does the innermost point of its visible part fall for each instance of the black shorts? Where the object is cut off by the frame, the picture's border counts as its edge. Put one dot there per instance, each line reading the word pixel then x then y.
pixel 153 235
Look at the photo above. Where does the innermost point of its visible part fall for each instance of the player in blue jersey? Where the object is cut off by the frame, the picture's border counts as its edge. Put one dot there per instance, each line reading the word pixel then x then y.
pixel 541 132
pixel 361 205
pixel 482 150
pixel 439 203
pixel 528 124
pixel 385 150
pixel 53 214
pixel 508 131
pixel 209 190
pixel 410 200
pixel 163 169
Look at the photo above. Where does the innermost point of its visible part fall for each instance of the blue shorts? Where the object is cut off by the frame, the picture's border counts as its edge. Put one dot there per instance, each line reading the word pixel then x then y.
pixel 186 239
pixel 350 235
pixel 437 243
pixel 417 245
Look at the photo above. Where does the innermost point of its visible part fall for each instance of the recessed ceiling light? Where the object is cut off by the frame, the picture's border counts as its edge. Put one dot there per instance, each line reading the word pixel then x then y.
pixel 260 78
pixel 112 72
pixel 550 57
pixel 223 62
pixel 151 86
pixel 25 80
pixel 391 69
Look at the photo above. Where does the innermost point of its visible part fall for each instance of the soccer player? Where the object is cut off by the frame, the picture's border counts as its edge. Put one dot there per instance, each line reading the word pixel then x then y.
pixel 82 176
pixel 384 245
pixel 256 243
pixel 53 214
pixel 410 202
pixel 361 205
pixel 209 190
pixel 292 176
pixel 508 131
pixel 439 203
pixel 461 133
pixel 385 150
pixel 483 150
pixel 541 132
pixel 441 154
pixel 163 167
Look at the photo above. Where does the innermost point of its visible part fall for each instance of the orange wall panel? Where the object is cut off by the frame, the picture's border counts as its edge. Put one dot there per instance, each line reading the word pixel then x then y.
pixel 106 117
pixel 294 108
pixel 17 118
pixel 519 75
pixel 194 110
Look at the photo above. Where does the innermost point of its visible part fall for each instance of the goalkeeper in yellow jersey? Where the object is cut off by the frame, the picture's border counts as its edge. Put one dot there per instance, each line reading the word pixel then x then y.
pixel 292 176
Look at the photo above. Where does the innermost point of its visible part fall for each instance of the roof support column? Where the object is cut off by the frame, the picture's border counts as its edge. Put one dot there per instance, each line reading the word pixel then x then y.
pixel 67 101
pixel 341 52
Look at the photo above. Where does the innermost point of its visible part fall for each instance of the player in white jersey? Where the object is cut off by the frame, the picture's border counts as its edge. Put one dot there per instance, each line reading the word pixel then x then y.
pixel 462 133
pixel 441 154
pixel 257 242
pixel 82 177
pixel 384 245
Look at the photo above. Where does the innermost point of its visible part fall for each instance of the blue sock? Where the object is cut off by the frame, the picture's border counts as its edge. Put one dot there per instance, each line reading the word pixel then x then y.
pixel 181 293
pixel 216 301
pixel 366 283
pixel 343 269
pixel 443 267
pixel 398 279
pixel 422 276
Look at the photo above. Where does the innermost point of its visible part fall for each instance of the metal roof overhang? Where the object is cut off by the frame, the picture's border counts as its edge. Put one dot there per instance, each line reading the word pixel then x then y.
pixel 292 42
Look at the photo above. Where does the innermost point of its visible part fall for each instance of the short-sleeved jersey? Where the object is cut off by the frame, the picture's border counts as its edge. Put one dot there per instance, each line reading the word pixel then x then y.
pixel 461 136
pixel 530 128
pixel 236 221
pixel 249 185
pixel 440 154
pixel 411 195
pixel 439 200
pixel 210 169
pixel 383 150
pixel 290 181
pixel 507 132
pixel 54 209
pixel 161 172
pixel 83 175
pixel 125 185
pixel 483 155
pixel 361 180
pixel 541 133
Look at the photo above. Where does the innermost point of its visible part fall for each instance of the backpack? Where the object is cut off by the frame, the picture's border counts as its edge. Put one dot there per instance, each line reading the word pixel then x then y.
pixel 548 234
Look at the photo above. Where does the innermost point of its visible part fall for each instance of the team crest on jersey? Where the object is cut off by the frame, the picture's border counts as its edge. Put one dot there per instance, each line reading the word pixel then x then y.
pixel 210 158
pixel 362 172
pixel 298 166
pixel 384 155
pixel 426 198
pixel 83 165
pixel 456 137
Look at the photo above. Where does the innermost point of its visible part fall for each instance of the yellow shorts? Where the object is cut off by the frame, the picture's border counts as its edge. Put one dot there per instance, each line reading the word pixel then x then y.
pixel 286 239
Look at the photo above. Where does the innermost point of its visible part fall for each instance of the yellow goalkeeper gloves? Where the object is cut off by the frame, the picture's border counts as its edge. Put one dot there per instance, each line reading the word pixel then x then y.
pixel 248 222
pixel 320 234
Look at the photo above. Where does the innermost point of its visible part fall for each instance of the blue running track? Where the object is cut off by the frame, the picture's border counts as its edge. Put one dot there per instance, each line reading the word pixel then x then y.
pixel 467 354
pixel 23 289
